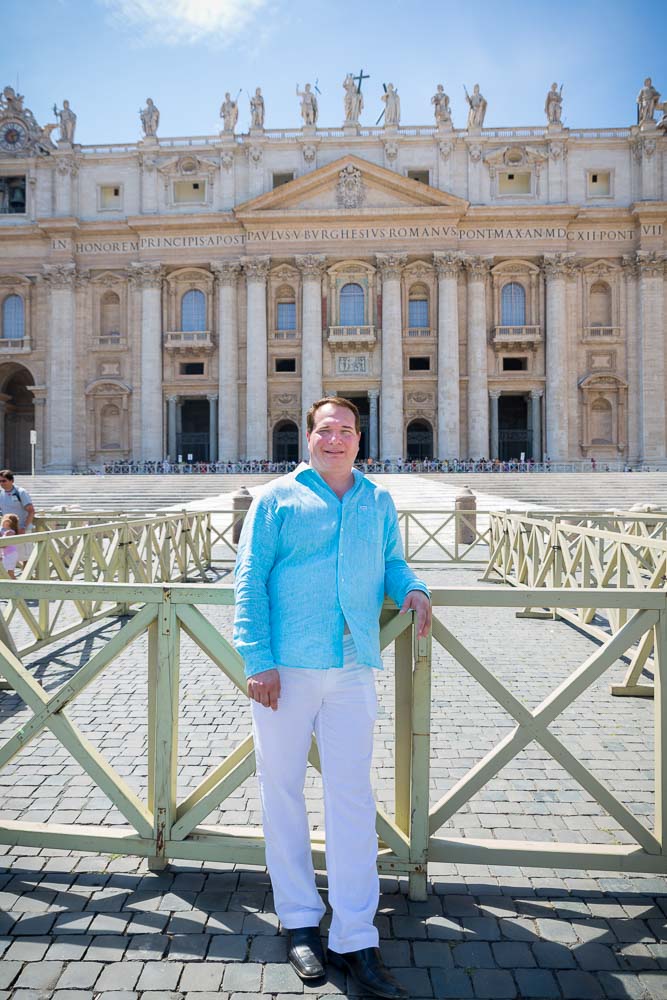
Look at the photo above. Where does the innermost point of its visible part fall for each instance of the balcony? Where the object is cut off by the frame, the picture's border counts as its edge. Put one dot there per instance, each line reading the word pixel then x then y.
pixel 352 336
pixel 15 345
pixel 505 335
pixel 195 341
pixel 286 335
pixel 598 334
pixel 418 331
pixel 112 341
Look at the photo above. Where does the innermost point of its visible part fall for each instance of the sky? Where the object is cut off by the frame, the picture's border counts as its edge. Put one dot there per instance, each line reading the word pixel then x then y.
pixel 107 56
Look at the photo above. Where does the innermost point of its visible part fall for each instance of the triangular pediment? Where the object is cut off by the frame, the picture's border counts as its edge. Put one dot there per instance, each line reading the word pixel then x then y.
pixel 351 186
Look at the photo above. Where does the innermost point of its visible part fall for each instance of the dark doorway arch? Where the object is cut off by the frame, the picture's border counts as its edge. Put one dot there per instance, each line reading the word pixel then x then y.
pixel 419 440
pixel 17 417
pixel 286 441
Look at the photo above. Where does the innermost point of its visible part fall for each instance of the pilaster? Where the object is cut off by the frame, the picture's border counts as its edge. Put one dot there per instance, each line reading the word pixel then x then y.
pixel 632 329
pixel 555 270
pixel 61 365
pixel 226 278
pixel 391 413
pixel 312 268
pixel 147 276
pixel 478 402
pixel 448 267
pixel 652 354
pixel 256 270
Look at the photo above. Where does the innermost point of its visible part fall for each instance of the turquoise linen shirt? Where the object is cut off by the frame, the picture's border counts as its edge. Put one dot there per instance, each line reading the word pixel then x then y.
pixel 308 563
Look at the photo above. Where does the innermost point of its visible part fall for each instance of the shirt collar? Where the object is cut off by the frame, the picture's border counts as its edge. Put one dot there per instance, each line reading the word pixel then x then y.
pixel 305 472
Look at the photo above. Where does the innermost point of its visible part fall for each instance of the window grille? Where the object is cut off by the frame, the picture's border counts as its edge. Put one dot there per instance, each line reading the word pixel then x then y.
pixel 418 313
pixel 286 316
pixel 513 305
pixel 352 305
pixel 193 311
pixel 13 318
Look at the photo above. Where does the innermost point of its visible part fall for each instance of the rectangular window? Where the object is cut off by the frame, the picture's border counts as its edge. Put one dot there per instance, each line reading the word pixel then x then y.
pixel 286 316
pixel 282 178
pixel 515 364
pixel 419 364
pixel 599 184
pixel 418 313
pixel 189 192
pixel 192 368
pixel 12 195
pixel 110 197
pixel 423 176
pixel 514 183
pixel 285 364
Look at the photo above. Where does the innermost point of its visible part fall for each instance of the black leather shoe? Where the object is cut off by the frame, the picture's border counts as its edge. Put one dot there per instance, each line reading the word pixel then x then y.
pixel 369 971
pixel 305 952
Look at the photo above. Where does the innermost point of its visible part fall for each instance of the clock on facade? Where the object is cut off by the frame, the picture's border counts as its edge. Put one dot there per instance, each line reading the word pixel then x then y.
pixel 13 135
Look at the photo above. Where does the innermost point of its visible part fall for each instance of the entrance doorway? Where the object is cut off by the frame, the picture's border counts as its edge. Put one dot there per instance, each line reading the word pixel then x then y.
pixel 360 400
pixel 193 438
pixel 515 433
pixel 18 420
pixel 419 440
pixel 286 442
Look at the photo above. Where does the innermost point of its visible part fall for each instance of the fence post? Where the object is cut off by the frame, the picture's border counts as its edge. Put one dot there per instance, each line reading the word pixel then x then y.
pixel 163 673
pixel 403 728
pixel 123 564
pixel 420 766
pixel 659 724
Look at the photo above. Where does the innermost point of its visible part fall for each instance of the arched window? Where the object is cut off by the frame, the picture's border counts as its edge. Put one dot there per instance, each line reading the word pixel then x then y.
pixel 286 442
pixel 193 311
pixel 110 427
pixel 418 318
pixel 286 312
pixel 13 318
pixel 601 422
pixel 352 305
pixel 513 304
pixel 110 315
pixel 600 304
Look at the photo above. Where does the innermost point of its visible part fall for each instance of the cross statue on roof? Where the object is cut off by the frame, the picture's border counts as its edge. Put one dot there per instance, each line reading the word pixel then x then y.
pixel 360 78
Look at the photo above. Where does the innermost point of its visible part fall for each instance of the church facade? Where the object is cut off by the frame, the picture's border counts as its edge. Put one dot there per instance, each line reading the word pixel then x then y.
pixel 478 292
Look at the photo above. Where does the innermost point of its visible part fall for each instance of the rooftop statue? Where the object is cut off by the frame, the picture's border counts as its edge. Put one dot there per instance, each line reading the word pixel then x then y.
pixel 229 112
pixel 309 110
pixel 354 101
pixel 392 106
pixel 441 108
pixel 553 106
pixel 257 109
pixel 477 107
pixel 150 118
pixel 67 120
pixel 647 102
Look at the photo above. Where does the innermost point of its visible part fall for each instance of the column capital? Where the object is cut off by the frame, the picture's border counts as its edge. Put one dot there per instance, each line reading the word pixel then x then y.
pixel 60 275
pixel 373 393
pixel 146 274
pixel 256 268
pixel 478 267
pixel 226 272
pixel 448 264
pixel 495 393
pixel 629 265
pixel 311 265
pixel 536 393
pixel 174 398
pixel 650 264
pixel 559 265
pixel 390 265
pixel 212 397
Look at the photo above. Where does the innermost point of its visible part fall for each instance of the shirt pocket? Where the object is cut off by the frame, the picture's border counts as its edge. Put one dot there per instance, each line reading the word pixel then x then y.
pixel 366 523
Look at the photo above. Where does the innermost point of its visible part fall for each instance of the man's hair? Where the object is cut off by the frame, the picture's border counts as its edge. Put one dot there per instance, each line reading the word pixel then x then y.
pixel 7 474
pixel 335 401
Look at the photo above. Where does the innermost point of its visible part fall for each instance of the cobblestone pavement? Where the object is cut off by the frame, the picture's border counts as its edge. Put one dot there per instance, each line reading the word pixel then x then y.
pixel 77 925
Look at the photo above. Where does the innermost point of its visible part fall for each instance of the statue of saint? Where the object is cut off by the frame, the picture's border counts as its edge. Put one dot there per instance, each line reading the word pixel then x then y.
pixel 553 106
pixel 150 118
pixel 354 101
pixel 67 120
pixel 229 112
pixel 392 106
pixel 257 109
pixel 477 108
pixel 11 103
pixel 441 108
pixel 647 102
pixel 309 110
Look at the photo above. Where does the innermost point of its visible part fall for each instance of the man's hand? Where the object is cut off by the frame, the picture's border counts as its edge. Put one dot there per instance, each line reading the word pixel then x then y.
pixel 265 688
pixel 416 600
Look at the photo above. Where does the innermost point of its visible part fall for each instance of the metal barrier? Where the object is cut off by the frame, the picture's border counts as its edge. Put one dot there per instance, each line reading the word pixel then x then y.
pixel 162 826
pixel 610 552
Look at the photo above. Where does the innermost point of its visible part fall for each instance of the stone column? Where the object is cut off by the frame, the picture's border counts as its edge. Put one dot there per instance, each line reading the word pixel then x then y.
pixel 391 422
pixel 373 441
pixel 556 358
pixel 39 398
pixel 226 275
pixel 148 277
pixel 535 403
pixel 171 427
pixel 650 165
pixel 312 268
pixel 257 398
pixel 61 366
pixel 148 182
pixel 212 428
pixel 630 319
pixel 652 354
pixel 478 399
pixel 448 266
pixel 494 396
pixel 66 170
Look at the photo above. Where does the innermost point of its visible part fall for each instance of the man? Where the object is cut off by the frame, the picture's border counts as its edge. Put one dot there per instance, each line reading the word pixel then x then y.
pixel 16 500
pixel 320 547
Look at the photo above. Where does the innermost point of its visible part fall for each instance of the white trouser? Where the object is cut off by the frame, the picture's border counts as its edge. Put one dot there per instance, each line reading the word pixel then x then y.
pixel 340 706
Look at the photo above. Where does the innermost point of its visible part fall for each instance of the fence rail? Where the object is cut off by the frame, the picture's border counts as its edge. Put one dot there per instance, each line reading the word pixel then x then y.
pixel 161 826
pixel 610 552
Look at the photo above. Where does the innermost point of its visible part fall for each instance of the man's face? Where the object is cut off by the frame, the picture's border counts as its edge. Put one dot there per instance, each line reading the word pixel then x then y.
pixel 333 442
pixel 7 484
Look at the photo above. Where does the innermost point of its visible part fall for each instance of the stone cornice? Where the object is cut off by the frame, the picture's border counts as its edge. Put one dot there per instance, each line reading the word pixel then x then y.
pixel 390 265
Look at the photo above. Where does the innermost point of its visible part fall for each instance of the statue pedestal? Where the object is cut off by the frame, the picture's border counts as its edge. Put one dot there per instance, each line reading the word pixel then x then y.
pixel 256 132
pixel 391 129
pixel 226 135
pixel 445 130
pixel 64 145
pixel 309 130
pixel 351 128
pixel 474 130
pixel 554 128
pixel 149 140
pixel 646 128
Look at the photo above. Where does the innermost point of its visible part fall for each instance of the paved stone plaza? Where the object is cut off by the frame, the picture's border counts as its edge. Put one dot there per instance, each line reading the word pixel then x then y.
pixel 77 925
